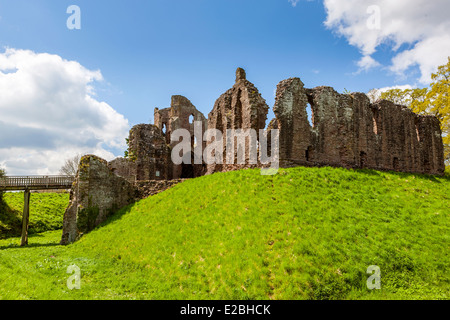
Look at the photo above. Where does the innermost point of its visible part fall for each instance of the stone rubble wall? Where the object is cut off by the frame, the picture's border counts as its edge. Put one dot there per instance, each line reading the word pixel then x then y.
pixel 241 107
pixel 153 187
pixel 149 157
pixel 124 168
pixel 349 131
pixel 182 114
pixel 346 130
pixel 96 194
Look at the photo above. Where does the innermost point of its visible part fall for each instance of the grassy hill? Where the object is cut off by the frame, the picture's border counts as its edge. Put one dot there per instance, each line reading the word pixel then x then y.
pixel 46 212
pixel 306 233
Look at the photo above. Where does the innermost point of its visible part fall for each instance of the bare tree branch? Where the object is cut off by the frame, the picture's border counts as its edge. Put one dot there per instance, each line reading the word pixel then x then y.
pixel 70 167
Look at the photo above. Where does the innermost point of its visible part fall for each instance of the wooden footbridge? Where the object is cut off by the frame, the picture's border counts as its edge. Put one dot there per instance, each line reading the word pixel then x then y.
pixel 29 183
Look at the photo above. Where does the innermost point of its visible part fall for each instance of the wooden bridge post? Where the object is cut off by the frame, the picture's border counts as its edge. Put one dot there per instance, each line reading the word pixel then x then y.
pixel 25 218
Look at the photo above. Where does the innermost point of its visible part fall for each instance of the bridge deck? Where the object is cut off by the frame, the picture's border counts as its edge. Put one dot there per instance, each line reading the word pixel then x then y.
pixel 36 183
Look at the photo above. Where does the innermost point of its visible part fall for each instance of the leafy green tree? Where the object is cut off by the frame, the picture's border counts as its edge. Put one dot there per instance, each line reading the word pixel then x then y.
pixel 2 174
pixel 434 100
pixel 414 98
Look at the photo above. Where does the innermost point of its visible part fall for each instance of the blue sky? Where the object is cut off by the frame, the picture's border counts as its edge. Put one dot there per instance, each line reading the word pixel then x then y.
pixel 150 50
pixel 147 51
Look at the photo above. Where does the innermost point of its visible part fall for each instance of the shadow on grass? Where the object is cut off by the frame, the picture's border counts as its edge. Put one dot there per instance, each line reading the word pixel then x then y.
pixel 11 219
pixel 16 245
pixel 113 218
pixel 405 175
pixel 15 242
pixel 32 245
pixel 379 172
pixel 117 215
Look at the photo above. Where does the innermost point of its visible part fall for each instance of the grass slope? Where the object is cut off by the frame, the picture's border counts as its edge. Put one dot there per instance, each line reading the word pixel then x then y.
pixel 306 233
pixel 46 212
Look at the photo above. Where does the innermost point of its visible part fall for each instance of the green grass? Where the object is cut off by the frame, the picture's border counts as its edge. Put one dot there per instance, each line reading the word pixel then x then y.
pixel 46 212
pixel 306 233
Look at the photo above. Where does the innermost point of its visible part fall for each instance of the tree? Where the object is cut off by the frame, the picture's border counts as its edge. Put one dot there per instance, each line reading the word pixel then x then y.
pixel 439 103
pixel 2 174
pixel 374 95
pixel 70 167
pixel 413 98
pixel 434 100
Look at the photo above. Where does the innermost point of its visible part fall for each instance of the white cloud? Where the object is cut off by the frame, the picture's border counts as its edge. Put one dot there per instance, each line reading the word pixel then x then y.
pixel 366 63
pixel 294 2
pixel 48 113
pixel 422 25
pixel 375 94
pixel 401 87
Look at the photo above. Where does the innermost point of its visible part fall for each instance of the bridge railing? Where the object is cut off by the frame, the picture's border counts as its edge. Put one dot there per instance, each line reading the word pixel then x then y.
pixel 32 182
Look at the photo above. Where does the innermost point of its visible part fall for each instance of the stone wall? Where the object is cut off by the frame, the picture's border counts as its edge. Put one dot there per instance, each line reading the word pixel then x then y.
pixel 124 168
pixel 346 130
pixel 241 107
pixel 96 194
pixel 153 187
pixel 149 157
pixel 182 114
pixel 149 153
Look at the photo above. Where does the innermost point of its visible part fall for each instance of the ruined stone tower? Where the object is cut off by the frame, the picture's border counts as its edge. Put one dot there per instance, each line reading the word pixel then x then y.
pixel 150 146
pixel 241 107
pixel 183 115
pixel 148 156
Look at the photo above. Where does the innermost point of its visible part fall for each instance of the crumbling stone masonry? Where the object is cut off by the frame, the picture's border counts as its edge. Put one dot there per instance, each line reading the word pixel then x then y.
pixel 345 130
pixel 348 131
pixel 149 157
pixel 241 107
pixel 150 146
pixel 124 168
pixel 183 115
pixel 146 189
pixel 150 153
pixel 96 194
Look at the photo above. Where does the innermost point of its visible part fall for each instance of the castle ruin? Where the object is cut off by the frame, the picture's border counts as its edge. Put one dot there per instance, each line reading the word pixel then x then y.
pixel 345 130
pixel 349 131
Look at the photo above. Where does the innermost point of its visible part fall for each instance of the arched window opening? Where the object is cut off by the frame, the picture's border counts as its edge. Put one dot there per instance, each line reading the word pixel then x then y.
pixel 308 154
pixel 395 163
pixel 375 126
pixel 362 159
pixel 310 115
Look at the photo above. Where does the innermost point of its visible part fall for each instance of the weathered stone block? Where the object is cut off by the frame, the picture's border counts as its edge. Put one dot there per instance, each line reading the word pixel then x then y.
pixel 96 194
